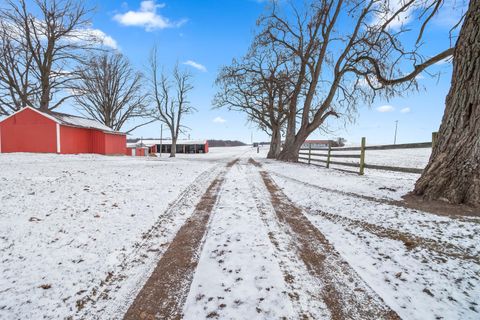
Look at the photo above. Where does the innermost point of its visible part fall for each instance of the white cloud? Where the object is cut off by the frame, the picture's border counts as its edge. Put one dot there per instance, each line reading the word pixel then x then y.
pixel 385 108
pixel 219 120
pixel 148 17
pixel 102 37
pixel 405 110
pixel 196 65
pixel 86 35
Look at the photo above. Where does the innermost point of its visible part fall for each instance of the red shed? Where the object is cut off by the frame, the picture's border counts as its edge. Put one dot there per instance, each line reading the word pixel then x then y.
pixel 136 151
pixel 30 130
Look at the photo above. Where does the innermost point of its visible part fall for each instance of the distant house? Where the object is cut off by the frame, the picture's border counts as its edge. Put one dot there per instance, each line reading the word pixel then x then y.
pixel 183 146
pixel 30 130
pixel 319 144
pixel 316 144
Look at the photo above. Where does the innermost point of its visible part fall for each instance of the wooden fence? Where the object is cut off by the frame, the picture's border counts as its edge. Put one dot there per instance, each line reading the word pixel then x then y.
pixel 325 155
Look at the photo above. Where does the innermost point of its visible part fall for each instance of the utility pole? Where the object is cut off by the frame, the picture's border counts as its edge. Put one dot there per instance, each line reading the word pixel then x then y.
pixel 395 137
pixel 161 138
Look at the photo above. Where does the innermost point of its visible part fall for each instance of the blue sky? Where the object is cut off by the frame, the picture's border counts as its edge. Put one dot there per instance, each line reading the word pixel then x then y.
pixel 210 33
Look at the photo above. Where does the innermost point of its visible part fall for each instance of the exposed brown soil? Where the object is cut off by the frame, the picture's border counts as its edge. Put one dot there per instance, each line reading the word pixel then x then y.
pixel 344 293
pixel 104 289
pixel 255 163
pixel 164 293
pixel 438 207
pixel 232 163
pixel 411 241
pixel 409 202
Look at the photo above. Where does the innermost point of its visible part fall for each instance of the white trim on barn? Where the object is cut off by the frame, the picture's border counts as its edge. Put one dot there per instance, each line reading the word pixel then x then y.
pixel 58 137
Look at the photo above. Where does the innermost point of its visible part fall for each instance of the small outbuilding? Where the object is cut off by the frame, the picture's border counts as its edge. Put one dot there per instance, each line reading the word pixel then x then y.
pixel 135 150
pixel 31 130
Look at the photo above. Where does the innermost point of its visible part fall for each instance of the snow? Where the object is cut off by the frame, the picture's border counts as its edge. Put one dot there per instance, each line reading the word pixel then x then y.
pixel 67 221
pixel 90 229
pixel 404 277
pixel 238 275
pixel 80 122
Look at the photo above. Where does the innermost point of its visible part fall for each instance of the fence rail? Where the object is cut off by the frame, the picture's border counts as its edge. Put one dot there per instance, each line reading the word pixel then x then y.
pixel 313 156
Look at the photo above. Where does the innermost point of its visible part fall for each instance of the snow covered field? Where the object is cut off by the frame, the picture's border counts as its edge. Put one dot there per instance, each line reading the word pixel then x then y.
pixel 80 235
pixel 67 221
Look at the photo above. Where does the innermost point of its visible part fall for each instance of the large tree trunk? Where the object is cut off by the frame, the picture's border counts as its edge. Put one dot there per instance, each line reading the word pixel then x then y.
pixel 275 144
pixel 291 129
pixel 453 172
pixel 291 148
pixel 173 150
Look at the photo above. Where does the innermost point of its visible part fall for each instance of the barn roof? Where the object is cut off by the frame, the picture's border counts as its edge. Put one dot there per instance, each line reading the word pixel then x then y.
pixel 71 120
pixel 77 121
pixel 151 142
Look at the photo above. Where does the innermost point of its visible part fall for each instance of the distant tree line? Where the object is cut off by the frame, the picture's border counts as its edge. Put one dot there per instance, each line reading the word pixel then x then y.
pixel 225 143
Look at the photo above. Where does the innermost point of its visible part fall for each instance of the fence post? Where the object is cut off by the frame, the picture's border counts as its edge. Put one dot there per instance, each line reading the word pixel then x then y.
pixel 434 138
pixel 309 153
pixel 362 156
pixel 328 156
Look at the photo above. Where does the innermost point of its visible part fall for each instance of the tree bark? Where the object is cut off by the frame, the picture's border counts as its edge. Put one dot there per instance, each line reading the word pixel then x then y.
pixel 453 172
pixel 275 144
pixel 173 150
pixel 292 147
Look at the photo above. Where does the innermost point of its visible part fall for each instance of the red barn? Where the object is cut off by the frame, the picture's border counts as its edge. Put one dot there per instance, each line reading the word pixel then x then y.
pixel 30 130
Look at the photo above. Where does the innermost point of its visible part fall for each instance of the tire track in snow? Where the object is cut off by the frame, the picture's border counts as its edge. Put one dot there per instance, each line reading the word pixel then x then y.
pixel 396 203
pixel 164 293
pixel 420 276
pixel 410 239
pixel 303 288
pixel 344 292
pixel 144 256
pixel 238 275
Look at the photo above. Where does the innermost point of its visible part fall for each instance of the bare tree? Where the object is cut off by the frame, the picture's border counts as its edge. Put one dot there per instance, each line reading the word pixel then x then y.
pixel 260 86
pixel 110 91
pixel 170 97
pixel 16 88
pixel 338 66
pixel 41 42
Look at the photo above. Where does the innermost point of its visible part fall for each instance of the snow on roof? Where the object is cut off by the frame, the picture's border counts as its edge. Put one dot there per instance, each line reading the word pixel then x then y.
pixel 135 145
pixel 77 121
pixel 69 120
pixel 151 142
